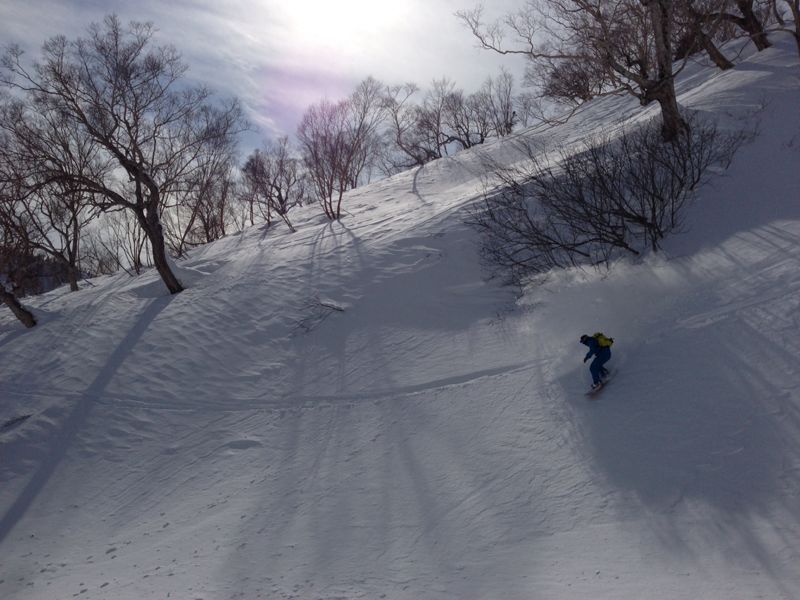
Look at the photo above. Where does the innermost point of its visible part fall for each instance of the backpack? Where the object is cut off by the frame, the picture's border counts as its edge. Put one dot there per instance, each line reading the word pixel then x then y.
pixel 602 340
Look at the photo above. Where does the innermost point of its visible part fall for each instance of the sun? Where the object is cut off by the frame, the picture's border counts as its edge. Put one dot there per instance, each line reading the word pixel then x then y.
pixel 343 26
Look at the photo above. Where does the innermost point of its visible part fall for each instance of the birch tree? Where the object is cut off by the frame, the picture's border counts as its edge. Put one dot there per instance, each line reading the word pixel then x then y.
pixel 621 45
pixel 125 92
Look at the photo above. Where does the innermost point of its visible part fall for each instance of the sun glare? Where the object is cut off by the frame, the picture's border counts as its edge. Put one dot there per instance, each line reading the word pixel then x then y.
pixel 343 26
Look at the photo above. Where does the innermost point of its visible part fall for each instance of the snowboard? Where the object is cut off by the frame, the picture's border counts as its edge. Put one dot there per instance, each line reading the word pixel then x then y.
pixel 593 392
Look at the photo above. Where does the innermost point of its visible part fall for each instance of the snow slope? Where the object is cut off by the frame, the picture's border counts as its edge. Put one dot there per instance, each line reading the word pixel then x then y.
pixel 353 411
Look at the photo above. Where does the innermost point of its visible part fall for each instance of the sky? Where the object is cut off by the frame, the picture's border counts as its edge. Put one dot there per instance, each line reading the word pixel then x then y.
pixel 280 56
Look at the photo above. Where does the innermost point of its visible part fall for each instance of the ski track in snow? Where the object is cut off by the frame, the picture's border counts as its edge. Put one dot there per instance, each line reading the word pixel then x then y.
pixel 352 411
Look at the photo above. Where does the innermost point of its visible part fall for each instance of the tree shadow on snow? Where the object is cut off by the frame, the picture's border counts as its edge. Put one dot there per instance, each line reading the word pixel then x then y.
pixel 60 440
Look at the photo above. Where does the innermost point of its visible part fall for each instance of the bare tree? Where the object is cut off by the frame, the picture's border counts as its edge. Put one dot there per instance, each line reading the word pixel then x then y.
pixel 116 243
pixel 482 115
pixel 257 176
pixel 468 119
pixel 748 20
pixel 215 214
pixel 617 195
pixel 99 257
pixel 197 208
pixel 50 214
pixel 323 136
pixel 498 93
pixel 246 195
pixel 13 255
pixel 276 179
pixel 573 82
pixel 51 224
pixel 626 45
pixel 403 132
pixel 696 29
pixel 701 21
pixel 339 141
pixel 8 298
pixel 124 93
pixel 431 117
pixel 446 120
pixel 527 105
pixel 366 116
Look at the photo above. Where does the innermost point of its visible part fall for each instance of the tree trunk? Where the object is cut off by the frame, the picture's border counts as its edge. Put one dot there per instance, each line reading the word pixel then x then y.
pixel 10 300
pixel 338 214
pixel 752 25
pixel 72 278
pixel 698 40
pixel 672 124
pixel 663 89
pixel 155 234
pixel 73 270
pixel 714 53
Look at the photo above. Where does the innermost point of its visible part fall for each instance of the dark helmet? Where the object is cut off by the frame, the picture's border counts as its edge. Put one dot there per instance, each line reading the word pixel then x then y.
pixel 584 338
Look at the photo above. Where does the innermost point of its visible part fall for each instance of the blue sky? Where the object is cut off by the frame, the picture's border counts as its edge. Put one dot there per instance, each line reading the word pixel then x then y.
pixel 279 56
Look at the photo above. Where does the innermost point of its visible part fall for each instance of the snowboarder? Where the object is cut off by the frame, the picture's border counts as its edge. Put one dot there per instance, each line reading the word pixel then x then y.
pixel 600 348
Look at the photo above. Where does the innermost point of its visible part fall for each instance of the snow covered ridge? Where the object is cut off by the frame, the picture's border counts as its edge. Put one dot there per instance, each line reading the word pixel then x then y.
pixel 352 411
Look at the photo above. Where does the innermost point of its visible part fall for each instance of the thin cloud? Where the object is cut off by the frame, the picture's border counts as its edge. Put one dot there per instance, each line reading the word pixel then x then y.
pixel 276 58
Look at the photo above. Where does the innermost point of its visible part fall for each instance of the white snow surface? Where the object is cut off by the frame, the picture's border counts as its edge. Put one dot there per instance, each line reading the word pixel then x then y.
pixel 356 411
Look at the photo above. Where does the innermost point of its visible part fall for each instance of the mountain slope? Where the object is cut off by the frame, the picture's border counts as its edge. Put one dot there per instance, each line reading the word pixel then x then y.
pixel 353 411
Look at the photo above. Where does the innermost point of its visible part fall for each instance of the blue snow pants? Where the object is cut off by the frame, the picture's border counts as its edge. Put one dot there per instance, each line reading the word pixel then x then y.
pixel 596 368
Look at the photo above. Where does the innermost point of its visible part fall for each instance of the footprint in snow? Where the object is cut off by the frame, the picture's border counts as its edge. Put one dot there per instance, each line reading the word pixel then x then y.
pixel 243 444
